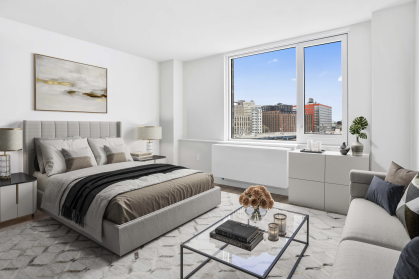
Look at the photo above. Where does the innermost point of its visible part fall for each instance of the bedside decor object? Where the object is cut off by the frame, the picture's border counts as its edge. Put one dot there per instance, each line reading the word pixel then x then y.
pixel 407 210
pixel 358 125
pixel 319 145
pixel 273 229
pixel 344 149
pixel 62 85
pixel 281 220
pixel 149 133
pixel 256 200
pixel 10 140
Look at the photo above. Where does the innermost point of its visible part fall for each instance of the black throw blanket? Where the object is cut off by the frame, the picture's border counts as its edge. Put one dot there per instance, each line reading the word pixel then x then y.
pixel 82 193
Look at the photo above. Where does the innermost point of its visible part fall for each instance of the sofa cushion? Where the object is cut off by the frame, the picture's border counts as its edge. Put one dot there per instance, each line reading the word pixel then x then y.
pixel 357 260
pixel 370 223
pixel 385 194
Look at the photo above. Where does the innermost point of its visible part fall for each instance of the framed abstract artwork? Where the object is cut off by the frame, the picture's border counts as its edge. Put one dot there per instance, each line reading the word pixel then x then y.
pixel 62 85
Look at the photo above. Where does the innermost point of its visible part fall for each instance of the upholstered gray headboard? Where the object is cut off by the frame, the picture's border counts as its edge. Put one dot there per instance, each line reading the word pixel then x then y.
pixel 59 129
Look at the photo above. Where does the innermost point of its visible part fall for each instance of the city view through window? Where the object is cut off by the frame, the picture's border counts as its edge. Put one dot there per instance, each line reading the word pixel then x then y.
pixel 264 90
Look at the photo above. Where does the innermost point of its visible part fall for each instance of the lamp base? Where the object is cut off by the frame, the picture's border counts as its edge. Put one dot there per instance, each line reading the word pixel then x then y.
pixel 5 166
pixel 150 147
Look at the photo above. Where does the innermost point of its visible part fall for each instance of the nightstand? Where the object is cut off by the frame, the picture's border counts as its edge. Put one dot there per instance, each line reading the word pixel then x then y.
pixel 17 196
pixel 156 158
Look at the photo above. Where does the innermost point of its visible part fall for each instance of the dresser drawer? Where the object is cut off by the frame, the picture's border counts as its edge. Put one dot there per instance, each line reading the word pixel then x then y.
pixel 338 168
pixel 336 198
pixel 307 166
pixel 306 193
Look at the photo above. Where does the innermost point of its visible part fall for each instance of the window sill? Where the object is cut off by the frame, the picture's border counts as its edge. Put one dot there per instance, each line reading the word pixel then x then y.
pixel 293 146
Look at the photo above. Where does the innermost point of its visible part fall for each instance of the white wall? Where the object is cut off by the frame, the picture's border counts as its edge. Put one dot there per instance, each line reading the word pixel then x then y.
pixel 204 98
pixel 359 78
pixel 171 108
pixel 133 88
pixel 415 99
pixel 203 91
pixel 393 40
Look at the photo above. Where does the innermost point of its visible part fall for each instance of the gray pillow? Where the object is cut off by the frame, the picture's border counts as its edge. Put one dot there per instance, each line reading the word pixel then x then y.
pixel 38 150
pixel 385 194
pixel 76 159
pixel 97 146
pixel 400 176
pixel 407 266
pixel 115 153
pixel 54 161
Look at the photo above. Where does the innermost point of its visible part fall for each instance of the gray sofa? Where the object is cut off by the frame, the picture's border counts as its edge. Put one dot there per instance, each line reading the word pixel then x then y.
pixel 372 240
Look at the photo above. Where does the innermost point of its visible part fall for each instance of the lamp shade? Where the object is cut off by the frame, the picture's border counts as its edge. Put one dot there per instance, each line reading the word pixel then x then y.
pixel 149 132
pixel 10 139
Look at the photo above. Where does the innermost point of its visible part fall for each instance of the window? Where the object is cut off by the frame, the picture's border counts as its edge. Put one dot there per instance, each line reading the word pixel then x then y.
pixel 268 88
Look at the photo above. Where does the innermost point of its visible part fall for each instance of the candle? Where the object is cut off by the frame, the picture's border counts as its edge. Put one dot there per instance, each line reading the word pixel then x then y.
pixel 319 145
pixel 309 144
pixel 273 229
pixel 281 220
pixel 314 149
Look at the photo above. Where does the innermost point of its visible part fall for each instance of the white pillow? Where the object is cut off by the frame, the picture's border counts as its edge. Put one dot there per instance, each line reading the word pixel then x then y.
pixel 54 160
pixel 98 148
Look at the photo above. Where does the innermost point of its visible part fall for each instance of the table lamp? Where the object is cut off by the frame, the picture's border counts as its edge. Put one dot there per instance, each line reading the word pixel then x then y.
pixel 149 133
pixel 10 140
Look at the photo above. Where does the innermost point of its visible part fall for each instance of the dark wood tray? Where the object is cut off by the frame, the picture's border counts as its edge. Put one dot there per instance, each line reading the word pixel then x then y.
pixel 308 151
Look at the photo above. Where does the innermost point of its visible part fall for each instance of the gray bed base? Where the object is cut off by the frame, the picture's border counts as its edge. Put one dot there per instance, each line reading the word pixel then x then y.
pixel 124 238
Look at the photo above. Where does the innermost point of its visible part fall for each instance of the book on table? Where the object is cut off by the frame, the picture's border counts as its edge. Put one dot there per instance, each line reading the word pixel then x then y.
pixel 140 153
pixel 236 230
pixel 249 246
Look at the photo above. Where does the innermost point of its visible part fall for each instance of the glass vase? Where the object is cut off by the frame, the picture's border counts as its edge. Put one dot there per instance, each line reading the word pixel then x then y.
pixel 256 215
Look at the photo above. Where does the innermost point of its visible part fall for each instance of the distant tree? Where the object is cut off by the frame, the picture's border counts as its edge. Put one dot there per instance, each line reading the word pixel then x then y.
pixel 266 129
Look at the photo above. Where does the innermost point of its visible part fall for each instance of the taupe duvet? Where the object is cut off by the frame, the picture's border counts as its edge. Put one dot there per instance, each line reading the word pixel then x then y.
pixel 134 204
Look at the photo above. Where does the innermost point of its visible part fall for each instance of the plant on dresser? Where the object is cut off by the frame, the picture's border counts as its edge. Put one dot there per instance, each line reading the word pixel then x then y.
pixel 256 200
pixel 358 125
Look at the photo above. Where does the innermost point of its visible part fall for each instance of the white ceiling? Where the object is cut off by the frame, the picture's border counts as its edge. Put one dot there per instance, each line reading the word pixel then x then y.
pixel 188 29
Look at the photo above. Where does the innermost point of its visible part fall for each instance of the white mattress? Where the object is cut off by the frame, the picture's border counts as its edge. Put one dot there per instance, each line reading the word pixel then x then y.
pixel 42 180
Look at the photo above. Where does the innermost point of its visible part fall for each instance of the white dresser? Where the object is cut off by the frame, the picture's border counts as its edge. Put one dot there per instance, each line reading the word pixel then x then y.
pixel 17 196
pixel 322 180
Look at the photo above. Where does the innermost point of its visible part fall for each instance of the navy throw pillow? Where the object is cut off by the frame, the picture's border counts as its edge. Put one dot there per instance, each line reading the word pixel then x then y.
pixel 385 194
pixel 407 267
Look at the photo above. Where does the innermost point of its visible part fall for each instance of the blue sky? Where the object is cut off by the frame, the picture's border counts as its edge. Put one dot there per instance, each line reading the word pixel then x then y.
pixel 270 78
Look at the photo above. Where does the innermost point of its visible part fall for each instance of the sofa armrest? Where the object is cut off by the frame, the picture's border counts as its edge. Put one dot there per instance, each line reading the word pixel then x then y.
pixel 360 182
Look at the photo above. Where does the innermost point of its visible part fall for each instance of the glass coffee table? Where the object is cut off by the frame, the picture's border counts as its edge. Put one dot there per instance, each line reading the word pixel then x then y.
pixel 261 260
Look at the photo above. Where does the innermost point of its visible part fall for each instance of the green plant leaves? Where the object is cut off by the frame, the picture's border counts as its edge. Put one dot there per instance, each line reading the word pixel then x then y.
pixel 359 124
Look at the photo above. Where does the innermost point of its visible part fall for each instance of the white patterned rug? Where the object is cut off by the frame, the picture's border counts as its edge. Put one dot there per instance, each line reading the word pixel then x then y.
pixel 48 249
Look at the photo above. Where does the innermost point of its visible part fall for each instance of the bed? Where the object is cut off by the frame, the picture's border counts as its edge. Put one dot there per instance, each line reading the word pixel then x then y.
pixel 130 218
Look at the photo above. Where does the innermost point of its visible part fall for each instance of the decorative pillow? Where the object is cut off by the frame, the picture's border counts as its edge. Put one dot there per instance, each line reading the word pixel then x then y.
pixel 115 154
pixel 97 146
pixel 76 159
pixel 54 161
pixel 408 208
pixel 39 151
pixel 407 266
pixel 385 194
pixel 399 175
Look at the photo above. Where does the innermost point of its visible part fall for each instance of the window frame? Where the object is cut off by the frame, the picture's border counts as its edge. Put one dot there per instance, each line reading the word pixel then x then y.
pixel 300 92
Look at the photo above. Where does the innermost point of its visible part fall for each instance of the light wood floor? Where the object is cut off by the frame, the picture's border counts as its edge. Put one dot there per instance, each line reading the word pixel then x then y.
pixel 39 215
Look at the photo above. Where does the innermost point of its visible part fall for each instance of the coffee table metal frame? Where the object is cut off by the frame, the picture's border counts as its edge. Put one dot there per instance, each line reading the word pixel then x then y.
pixel 212 257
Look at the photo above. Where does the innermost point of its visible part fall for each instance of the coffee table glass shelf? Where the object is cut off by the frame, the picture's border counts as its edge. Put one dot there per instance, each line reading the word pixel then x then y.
pixel 264 256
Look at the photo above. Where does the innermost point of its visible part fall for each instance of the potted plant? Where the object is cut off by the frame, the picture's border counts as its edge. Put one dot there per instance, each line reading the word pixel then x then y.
pixel 358 125
pixel 256 200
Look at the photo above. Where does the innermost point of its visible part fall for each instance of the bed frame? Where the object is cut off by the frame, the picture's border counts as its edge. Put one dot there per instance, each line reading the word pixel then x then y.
pixel 124 238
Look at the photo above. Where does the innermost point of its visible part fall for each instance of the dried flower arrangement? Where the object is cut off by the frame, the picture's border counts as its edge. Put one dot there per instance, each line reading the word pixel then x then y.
pixel 256 196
